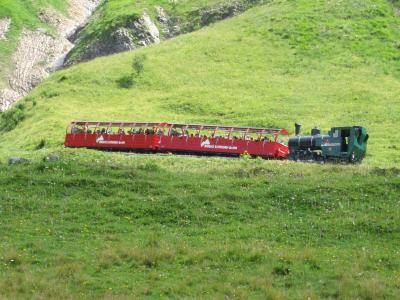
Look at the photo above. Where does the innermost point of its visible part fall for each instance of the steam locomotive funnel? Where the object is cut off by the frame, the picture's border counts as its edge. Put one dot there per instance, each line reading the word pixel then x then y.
pixel 297 128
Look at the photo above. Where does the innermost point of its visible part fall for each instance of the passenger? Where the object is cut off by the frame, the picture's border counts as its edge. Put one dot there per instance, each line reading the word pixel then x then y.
pixel 103 131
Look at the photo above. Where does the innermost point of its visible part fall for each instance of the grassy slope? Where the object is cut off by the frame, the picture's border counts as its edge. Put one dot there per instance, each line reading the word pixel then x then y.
pixel 106 224
pixel 99 224
pixel 23 14
pixel 323 64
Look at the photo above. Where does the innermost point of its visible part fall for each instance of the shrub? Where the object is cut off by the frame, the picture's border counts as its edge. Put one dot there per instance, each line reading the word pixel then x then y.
pixel 11 118
pixel 126 81
pixel 41 144
pixel 138 65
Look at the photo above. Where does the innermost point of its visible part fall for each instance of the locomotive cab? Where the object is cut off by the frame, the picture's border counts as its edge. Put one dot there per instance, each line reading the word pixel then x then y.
pixel 346 143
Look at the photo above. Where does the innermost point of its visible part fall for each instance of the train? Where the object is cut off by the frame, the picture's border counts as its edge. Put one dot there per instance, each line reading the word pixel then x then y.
pixel 344 144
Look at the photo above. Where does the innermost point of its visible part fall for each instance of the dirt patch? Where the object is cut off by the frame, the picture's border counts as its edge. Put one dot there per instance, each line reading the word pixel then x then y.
pixel 4 27
pixel 39 53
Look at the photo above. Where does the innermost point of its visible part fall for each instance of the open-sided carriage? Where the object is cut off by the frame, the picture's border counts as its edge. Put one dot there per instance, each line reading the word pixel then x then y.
pixel 177 138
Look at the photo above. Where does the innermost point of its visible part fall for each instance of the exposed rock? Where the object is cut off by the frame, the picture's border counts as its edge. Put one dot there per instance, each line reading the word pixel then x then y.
pixel 39 53
pixel 53 18
pixel 123 40
pixel 52 157
pixel 162 16
pixel 7 98
pixel 79 12
pixel 137 32
pixel 34 59
pixel 207 15
pixel 169 26
pixel 18 161
pixel 146 30
pixel 4 27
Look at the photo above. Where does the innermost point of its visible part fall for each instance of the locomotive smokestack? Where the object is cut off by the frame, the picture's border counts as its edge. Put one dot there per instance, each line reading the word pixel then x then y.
pixel 297 128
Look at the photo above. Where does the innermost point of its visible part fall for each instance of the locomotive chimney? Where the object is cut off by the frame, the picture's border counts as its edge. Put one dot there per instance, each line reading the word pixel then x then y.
pixel 297 128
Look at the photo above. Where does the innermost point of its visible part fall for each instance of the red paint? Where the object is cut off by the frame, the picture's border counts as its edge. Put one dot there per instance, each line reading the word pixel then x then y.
pixel 165 142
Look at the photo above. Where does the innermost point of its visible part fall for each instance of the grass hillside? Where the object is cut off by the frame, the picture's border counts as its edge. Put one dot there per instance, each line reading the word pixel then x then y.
pixel 99 225
pixel 109 225
pixel 321 63
pixel 24 14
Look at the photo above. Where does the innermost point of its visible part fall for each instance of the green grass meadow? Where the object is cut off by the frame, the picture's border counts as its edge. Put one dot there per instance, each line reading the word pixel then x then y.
pixel 108 225
pixel 111 225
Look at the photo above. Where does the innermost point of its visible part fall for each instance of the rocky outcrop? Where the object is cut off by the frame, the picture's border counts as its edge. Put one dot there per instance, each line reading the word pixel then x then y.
pixel 169 26
pixel 4 26
pixel 207 15
pixel 142 31
pixel 18 161
pixel 137 32
pixel 39 53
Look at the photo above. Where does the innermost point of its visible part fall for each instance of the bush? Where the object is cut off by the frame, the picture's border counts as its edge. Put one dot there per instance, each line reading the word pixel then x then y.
pixel 11 118
pixel 126 81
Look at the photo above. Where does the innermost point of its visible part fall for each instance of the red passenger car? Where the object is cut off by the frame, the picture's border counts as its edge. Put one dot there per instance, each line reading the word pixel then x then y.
pixel 177 138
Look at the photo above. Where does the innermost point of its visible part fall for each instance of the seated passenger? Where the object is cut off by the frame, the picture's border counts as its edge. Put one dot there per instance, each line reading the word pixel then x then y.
pixel 75 130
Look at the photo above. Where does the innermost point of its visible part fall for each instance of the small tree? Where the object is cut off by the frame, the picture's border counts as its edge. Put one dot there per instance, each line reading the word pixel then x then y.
pixel 138 65
pixel 128 81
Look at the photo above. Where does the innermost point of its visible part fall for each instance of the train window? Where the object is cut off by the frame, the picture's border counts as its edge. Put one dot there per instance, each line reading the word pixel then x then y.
pixel 345 133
